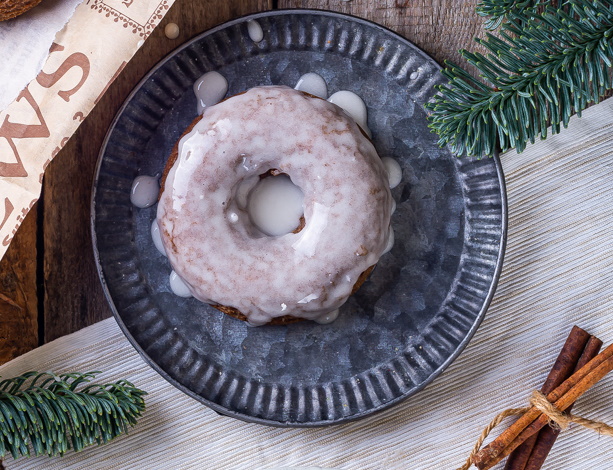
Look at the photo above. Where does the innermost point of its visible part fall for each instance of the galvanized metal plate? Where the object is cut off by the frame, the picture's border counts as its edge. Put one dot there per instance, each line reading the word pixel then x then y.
pixel 409 321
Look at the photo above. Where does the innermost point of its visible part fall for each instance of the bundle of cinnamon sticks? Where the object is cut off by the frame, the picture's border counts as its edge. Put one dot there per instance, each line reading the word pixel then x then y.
pixel 528 441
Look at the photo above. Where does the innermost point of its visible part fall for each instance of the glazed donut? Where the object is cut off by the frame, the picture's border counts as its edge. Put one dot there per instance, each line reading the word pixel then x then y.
pixel 207 233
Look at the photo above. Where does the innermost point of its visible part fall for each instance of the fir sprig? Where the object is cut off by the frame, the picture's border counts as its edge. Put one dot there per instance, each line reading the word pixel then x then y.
pixel 497 10
pixel 539 71
pixel 44 413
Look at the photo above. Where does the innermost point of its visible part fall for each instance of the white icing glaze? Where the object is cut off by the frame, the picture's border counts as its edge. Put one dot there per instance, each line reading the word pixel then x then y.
pixel 314 84
pixel 145 190
pixel 415 74
pixel 255 31
pixel 353 105
pixel 172 30
pixel 328 317
pixel 346 205
pixel 210 89
pixel 390 241
pixel 178 286
pixel 275 205
pixel 394 172
pixel 256 322
pixel 157 239
pixel 393 206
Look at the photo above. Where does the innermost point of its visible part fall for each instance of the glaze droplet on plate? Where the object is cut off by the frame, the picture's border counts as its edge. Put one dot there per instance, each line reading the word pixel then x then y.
pixel 394 172
pixel 276 205
pixel 353 105
pixel 156 237
pixel 144 192
pixel 210 89
pixel 255 31
pixel 179 287
pixel 314 84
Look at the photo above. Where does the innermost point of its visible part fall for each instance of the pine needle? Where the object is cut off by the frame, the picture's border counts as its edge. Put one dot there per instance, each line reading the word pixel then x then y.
pixel 45 414
pixel 497 10
pixel 540 69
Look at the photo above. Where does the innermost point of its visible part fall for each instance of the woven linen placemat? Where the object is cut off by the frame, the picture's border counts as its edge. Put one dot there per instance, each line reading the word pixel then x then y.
pixel 558 272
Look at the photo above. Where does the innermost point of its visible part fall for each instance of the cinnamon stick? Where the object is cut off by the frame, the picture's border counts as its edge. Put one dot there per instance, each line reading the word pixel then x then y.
pixel 533 420
pixel 562 368
pixel 548 435
pixel 562 404
pixel 519 458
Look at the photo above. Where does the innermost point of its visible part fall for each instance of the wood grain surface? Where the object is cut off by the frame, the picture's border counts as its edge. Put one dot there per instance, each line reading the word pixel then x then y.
pixel 18 292
pixel 439 27
pixel 49 286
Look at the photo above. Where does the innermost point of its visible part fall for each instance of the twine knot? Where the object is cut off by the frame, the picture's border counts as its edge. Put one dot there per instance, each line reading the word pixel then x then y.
pixel 556 417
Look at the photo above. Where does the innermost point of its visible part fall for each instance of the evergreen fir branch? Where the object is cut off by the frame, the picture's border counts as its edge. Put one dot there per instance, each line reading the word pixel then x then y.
pixel 498 10
pixel 44 413
pixel 538 72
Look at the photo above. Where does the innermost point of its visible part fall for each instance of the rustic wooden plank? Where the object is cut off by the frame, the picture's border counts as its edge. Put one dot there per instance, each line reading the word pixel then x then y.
pixel 439 27
pixel 18 292
pixel 73 297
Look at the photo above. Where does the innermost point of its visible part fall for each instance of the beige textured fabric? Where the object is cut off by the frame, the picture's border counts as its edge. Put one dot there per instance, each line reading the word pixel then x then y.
pixel 558 272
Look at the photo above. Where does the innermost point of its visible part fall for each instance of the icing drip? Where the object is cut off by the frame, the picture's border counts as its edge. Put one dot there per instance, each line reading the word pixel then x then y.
pixel 252 322
pixel 394 172
pixel 328 317
pixel 144 192
pixel 178 286
pixel 275 205
pixel 390 241
pixel 314 84
pixel 255 31
pixel 157 239
pixel 210 89
pixel 353 105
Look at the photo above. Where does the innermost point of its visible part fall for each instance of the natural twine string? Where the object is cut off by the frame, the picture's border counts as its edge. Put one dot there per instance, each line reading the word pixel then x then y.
pixel 556 417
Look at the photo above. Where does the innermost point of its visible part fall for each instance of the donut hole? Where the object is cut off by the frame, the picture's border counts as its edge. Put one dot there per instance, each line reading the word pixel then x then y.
pixel 276 205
